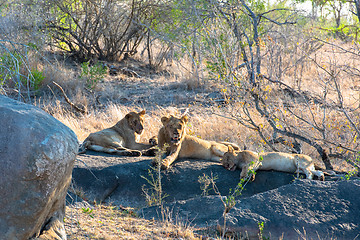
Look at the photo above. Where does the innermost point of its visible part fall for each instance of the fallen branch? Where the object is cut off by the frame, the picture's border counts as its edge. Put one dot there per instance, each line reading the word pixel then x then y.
pixel 81 110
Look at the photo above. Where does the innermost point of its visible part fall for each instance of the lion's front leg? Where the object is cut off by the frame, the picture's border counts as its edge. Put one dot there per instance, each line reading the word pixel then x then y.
pixel 128 152
pixel 171 158
pixel 166 162
pixel 172 150
pixel 173 155
pixel 150 152
pixel 246 174
pixel 123 151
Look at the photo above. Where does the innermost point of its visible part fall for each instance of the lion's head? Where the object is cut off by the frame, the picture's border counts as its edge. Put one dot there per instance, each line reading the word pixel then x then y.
pixel 175 128
pixel 229 159
pixel 136 121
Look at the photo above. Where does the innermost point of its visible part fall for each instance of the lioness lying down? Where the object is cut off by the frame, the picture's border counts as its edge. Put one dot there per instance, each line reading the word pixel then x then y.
pixel 180 145
pixel 120 139
pixel 278 161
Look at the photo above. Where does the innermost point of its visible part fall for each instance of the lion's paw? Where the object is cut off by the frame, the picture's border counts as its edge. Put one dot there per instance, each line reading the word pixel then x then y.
pixel 164 166
pixel 135 153
pixel 252 177
pixel 153 141
pixel 150 152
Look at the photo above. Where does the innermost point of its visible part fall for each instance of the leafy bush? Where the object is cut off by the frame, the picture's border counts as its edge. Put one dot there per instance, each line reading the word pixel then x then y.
pixel 37 78
pixel 93 74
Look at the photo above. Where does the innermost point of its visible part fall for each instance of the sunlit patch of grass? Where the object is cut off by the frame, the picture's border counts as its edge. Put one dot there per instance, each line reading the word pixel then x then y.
pixel 110 222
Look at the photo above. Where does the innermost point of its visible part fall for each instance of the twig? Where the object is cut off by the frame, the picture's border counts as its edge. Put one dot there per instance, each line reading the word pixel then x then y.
pixel 81 110
pixel 186 112
pixel 88 168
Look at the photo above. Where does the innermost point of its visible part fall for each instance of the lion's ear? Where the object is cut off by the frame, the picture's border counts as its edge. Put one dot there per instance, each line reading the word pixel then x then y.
pixel 230 149
pixel 165 120
pixel 185 119
pixel 142 113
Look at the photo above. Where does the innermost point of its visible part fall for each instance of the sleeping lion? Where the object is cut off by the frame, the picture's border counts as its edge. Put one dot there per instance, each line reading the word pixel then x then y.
pixel 278 161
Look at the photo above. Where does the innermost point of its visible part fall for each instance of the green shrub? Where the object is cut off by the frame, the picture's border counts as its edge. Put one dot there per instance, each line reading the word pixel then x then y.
pixel 11 64
pixel 37 78
pixel 93 74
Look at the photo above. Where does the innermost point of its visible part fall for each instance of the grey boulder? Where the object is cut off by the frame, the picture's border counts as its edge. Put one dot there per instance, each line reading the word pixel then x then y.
pixel 37 154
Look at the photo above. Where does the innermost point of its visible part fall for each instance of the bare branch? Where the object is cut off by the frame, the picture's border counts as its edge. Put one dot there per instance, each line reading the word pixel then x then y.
pixel 81 110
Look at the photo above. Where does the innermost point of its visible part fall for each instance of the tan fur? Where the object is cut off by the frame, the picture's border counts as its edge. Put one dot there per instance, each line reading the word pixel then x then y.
pixel 278 161
pixel 180 145
pixel 120 139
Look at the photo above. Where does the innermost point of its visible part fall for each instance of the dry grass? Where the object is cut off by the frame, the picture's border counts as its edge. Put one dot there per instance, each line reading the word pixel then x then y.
pixel 202 123
pixel 108 222
pixel 91 122
pixel 314 74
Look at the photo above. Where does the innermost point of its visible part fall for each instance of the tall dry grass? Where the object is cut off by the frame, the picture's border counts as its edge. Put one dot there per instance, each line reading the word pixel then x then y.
pixel 203 123
pixel 111 223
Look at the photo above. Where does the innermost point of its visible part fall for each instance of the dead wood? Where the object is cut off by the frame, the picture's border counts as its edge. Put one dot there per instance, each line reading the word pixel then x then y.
pixel 81 110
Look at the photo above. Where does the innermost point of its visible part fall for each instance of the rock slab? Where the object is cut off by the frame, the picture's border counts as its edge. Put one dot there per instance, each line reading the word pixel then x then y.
pixel 289 208
pixel 102 177
pixel 305 209
pixel 37 154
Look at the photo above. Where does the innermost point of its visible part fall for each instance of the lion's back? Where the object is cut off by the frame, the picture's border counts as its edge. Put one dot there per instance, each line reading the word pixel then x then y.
pixel 195 148
pixel 101 137
pixel 278 161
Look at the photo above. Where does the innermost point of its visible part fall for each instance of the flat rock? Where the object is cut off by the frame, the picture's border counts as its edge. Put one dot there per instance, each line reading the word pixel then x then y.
pixel 302 210
pixel 95 175
pixel 287 206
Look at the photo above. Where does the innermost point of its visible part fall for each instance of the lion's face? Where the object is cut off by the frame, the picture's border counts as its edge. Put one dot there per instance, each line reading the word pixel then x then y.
pixel 229 159
pixel 175 128
pixel 136 121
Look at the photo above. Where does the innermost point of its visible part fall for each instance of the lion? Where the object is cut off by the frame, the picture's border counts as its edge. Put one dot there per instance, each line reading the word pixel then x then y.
pixel 180 145
pixel 121 139
pixel 278 161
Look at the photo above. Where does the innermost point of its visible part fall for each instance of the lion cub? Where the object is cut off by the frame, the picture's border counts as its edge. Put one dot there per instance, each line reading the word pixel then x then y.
pixel 120 139
pixel 179 145
pixel 278 161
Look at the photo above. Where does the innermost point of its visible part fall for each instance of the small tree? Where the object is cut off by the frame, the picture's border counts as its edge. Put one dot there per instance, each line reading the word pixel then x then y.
pixel 209 183
pixel 271 49
pixel 96 29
